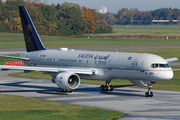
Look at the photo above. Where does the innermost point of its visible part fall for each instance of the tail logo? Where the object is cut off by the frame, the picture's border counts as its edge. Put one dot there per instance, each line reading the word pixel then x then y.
pixel 28 38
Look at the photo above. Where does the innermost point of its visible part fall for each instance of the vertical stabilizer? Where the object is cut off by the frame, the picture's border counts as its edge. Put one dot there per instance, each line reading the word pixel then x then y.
pixel 32 39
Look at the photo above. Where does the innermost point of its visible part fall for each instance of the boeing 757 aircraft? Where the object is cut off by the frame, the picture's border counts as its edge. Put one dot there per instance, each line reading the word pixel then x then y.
pixel 67 67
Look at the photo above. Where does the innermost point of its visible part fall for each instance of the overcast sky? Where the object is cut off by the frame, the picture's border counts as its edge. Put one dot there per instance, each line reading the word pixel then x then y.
pixel 115 5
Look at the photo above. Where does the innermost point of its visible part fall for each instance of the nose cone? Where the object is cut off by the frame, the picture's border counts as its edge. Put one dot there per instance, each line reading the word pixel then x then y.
pixel 167 75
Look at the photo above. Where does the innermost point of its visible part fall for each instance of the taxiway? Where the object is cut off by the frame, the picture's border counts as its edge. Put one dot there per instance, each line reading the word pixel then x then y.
pixel 131 101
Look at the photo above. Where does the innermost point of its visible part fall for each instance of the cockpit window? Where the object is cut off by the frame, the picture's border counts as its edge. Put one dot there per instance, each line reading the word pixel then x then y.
pixel 129 58
pixel 162 65
pixel 167 65
pixel 156 65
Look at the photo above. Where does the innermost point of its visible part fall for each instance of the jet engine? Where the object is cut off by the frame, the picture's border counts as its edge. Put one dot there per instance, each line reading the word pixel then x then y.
pixel 67 80
pixel 139 83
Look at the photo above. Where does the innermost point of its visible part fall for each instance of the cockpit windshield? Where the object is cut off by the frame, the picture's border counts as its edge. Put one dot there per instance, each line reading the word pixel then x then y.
pixel 158 65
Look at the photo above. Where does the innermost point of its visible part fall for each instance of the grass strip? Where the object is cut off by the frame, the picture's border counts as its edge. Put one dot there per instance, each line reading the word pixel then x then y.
pixel 16 40
pixel 24 108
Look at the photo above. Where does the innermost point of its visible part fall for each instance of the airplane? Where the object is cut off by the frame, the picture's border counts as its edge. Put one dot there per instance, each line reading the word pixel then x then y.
pixel 68 66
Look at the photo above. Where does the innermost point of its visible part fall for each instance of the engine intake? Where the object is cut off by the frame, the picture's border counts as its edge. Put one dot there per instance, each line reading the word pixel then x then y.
pixel 67 80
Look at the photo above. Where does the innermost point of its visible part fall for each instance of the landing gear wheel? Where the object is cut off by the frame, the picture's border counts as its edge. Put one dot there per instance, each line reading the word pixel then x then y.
pixel 106 88
pixel 111 88
pixel 70 91
pixel 61 90
pixel 151 94
pixel 102 87
pixel 146 94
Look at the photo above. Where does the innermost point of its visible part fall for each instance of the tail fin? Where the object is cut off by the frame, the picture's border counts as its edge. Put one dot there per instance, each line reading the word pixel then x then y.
pixel 32 39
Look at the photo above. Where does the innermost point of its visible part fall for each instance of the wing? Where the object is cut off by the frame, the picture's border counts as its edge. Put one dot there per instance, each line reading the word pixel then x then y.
pixel 171 59
pixel 48 69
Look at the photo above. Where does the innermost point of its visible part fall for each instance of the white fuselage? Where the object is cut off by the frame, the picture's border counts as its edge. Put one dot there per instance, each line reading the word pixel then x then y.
pixel 107 65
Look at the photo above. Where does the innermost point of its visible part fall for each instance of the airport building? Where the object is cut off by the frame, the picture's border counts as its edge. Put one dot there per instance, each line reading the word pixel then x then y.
pixel 165 21
pixel 103 10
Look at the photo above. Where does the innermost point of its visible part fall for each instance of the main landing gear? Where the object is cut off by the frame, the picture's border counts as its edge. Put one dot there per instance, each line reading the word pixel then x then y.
pixel 149 93
pixel 107 87
pixel 63 90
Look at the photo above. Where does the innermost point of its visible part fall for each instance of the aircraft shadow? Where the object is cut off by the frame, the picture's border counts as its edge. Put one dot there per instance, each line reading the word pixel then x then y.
pixel 55 90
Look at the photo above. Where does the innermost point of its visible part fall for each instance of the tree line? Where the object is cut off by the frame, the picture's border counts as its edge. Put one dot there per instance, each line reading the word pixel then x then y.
pixel 61 19
pixel 126 16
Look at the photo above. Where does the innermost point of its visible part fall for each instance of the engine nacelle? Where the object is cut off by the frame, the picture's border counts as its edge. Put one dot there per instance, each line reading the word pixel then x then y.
pixel 67 80
pixel 139 83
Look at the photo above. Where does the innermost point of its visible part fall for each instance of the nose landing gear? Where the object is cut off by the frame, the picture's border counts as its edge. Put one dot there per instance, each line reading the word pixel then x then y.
pixel 107 87
pixel 149 93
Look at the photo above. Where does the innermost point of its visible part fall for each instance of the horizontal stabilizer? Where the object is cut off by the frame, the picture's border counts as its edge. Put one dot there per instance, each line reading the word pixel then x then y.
pixel 171 59
pixel 20 58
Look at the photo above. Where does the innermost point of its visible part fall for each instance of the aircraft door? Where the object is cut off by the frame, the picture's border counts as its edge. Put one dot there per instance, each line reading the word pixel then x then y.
pixel 142 64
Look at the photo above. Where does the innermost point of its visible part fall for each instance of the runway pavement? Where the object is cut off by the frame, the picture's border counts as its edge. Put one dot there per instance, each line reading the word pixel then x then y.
pixel 131 101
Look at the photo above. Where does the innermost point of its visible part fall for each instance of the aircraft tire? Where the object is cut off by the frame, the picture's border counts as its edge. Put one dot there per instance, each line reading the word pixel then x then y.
pixel 106 88
pixel 151 94
pixel 111 88
pixel 70 91
pixel 102 87
pixel 146 94
pixel 61 90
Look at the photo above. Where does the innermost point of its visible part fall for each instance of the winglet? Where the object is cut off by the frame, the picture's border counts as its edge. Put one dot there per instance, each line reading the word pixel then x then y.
pixel 32 39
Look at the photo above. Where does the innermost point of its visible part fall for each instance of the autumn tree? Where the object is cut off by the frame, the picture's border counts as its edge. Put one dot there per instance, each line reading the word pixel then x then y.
pixel 2 26
pixel 103 27
pixel 18 26
pixel 131 19
pixel 1 3
pixel 39 22
pixel 53 5
pixel 13 4
pixel 35 3
pixel 147 18
pixel 27 3
pixel 110 19
pixel 100 16
pixel 8 26
pixel 58 7
pixel 90 20
pixel 66 4
pixel 122 15
pixel 71 21
pixel 49 13
pixel 51 27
